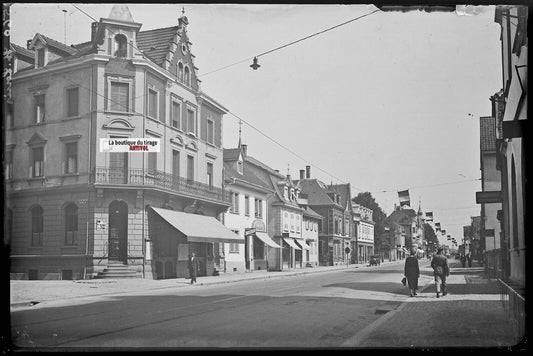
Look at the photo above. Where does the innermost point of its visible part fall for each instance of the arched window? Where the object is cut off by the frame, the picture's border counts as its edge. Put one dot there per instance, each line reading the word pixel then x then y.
pixel 187 76
pixel 37 227
pixel 121 46
pixel 180 72
pixel 71 224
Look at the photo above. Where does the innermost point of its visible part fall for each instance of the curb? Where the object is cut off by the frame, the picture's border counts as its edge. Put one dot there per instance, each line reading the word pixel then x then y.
pixel 272 274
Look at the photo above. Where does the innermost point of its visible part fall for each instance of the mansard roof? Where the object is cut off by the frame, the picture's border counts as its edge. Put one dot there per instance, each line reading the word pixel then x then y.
pixel 49 42
pixel 29 55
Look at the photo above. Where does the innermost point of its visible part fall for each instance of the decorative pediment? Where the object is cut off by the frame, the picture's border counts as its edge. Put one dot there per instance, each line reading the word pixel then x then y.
pixel 37 140
pixel 192 146
pixel 177 140
pixel 119 124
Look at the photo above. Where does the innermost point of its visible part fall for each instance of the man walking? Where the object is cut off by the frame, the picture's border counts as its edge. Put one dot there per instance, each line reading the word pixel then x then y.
pixel 194 266
pixel 439 263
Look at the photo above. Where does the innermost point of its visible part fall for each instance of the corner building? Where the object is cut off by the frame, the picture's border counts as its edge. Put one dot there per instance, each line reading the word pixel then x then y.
pixel 75 211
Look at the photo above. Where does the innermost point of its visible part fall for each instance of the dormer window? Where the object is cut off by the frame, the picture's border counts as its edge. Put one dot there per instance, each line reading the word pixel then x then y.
pixel 239 167
pixel 41 57
pixel 121 45
pixel 286 192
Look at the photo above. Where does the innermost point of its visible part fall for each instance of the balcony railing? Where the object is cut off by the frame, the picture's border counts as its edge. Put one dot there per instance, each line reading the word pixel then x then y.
pixel 162 180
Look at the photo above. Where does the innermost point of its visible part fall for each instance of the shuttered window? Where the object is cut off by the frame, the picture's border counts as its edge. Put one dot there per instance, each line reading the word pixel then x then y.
pixel 190 168
pixel 72 102
pixel 71 224
pixel 37 226
pixel 176 114
pixel 191 121
pixel 120 97
pixel 152 103
pixel 152 162
pixel 210 131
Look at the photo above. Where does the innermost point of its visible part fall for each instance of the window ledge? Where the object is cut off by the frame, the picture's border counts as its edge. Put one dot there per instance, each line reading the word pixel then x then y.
pixel 77 174
pixel 36 178
pixel 210 144
pixel 176 129
pixel 38 123
pixel 111 112
pixel 192 134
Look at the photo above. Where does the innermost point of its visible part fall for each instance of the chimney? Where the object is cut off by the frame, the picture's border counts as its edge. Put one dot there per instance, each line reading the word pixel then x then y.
pixel 308 172
pixel 94 28
pixel 302 174
pixel 244 149
pixel 28 43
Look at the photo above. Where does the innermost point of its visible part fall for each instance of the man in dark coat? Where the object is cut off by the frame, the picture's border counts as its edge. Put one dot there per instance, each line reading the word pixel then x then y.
pixel 439 263
pixel 194 266
pixel 412 272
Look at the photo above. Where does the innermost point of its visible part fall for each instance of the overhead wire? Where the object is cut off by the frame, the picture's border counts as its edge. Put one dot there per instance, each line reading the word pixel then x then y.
pixel 291 43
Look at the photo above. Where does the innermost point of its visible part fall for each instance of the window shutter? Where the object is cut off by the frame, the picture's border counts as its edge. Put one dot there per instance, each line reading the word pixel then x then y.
pixel 119 97
pixel 72 102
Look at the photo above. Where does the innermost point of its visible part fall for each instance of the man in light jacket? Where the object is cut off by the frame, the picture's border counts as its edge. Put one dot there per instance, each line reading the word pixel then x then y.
pixel 439 263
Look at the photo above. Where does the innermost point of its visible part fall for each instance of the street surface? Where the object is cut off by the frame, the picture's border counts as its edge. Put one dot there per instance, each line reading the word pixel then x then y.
pixel 338 308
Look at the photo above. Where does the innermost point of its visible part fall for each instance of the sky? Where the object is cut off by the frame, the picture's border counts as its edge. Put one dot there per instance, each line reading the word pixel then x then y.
pixel 388 102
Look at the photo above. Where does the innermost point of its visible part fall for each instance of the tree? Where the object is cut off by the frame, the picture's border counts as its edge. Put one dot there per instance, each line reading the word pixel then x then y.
pixel 430 236
pixel 383 238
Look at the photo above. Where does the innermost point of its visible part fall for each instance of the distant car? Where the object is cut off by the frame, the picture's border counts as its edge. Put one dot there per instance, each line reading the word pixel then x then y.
pixel 375 260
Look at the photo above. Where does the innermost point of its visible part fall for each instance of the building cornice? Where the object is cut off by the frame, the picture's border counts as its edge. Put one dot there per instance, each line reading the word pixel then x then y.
pixel 60 67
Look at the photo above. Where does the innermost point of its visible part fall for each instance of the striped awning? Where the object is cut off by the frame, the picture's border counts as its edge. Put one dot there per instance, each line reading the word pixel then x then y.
pixel 303 244
pixel 291 243
pixel 266 239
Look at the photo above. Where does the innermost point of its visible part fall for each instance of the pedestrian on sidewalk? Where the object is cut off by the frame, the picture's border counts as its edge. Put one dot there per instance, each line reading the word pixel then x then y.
pixel 411 270
pixel 463 260
pixel 439 263
pixel 194 266
pixel 469 258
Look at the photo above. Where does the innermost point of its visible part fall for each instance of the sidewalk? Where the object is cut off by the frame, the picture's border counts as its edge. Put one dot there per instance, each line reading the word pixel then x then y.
pixel 471 315
pixel 27 293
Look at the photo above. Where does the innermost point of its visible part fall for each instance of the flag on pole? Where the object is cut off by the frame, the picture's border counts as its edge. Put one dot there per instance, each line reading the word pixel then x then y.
pixel 429 216
pixel 404 198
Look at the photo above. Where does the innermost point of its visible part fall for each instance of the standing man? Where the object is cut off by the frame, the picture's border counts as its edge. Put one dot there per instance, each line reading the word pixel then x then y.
pixel 439 263
pixel 469 258
pixel 194 266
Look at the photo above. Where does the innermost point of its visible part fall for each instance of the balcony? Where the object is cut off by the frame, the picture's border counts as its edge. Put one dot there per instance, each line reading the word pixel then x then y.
pixel 162 180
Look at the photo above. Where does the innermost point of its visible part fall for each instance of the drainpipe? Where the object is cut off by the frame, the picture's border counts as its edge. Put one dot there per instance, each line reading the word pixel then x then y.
pixel 143 238
pixel 89 172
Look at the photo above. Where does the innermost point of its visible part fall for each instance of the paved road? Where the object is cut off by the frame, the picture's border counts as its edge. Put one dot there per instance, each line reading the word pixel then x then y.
pixel 311 310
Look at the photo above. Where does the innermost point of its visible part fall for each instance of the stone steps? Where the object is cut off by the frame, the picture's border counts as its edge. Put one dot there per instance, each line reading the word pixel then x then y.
pixel 117 271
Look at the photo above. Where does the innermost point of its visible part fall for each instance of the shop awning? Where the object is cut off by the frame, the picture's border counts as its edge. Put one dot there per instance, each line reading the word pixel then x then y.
pixel 199 228
pixel 303 244
pixel 266 239
pixel 291 243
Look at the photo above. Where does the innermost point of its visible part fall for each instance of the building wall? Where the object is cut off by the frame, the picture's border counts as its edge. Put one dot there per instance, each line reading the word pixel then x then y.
pixel 491 182
pixel 310 232
pixel 240 221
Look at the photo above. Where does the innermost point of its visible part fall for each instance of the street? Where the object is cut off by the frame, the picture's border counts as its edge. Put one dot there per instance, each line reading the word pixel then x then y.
pixel 339 308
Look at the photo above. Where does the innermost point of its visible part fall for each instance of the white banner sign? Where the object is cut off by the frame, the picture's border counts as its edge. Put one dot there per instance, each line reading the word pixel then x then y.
pixel 127 144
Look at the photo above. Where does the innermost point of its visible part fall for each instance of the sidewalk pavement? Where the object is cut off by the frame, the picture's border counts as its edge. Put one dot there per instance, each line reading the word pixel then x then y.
pixel 470 316
pixel 27 293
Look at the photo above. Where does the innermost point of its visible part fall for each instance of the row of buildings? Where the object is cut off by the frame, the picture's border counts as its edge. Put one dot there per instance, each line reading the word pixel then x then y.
pixel 502 156
pixel 74 210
